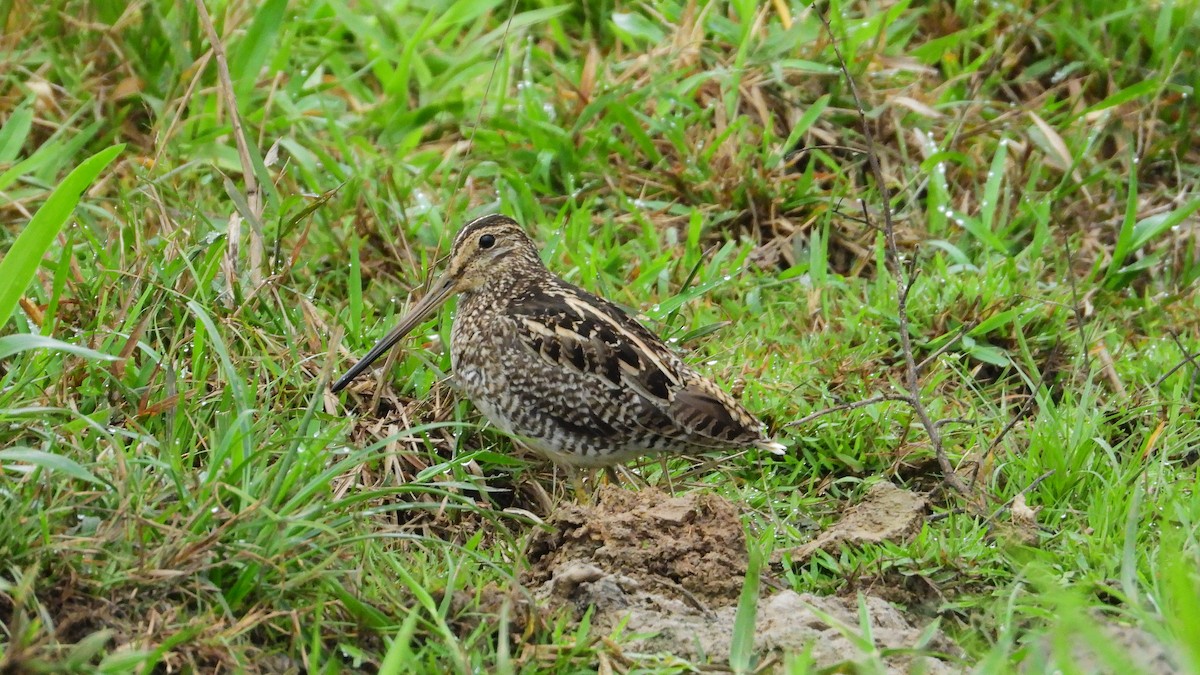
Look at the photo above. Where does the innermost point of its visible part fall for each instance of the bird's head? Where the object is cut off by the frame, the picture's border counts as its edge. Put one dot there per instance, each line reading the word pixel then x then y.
pixel 486 248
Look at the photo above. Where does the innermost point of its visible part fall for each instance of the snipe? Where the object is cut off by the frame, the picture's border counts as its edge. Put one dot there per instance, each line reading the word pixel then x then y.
pixel 569 373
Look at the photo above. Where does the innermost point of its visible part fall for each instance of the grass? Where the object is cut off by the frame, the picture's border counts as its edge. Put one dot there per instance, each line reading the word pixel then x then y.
pixel 179 492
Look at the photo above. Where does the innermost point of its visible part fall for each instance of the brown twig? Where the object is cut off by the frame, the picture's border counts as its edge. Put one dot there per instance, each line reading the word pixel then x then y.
pixel 1079 319
pixel 1018 417
pixel 963 330
pixel 942 515
pixel 903 280
pixel 880 398
pixel 1109 369
pixel 995 514
pixel 1036 482
pixel 1188 357
pixel 249 175
pixel 163 140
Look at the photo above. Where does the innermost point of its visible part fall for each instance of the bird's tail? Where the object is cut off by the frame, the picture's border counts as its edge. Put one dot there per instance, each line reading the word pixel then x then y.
pixel 773 447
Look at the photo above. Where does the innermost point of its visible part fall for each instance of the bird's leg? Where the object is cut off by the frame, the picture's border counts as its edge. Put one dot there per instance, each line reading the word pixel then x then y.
pixel 538 494
pixel 637 481
pixel 662 460
pixel 581 495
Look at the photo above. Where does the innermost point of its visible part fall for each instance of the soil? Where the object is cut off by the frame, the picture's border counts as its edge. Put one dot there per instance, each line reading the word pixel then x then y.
pixel 670 571
pixel 1137 648
pixel 886 513
pixel 694 543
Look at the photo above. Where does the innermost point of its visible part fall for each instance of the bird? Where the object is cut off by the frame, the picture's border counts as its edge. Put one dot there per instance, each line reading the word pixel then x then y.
pixel 569 374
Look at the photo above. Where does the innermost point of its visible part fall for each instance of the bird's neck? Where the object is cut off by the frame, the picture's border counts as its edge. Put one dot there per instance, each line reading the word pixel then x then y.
pixel 506 284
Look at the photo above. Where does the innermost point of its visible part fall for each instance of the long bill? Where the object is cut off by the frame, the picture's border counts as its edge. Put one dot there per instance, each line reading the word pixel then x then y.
pixel 441 290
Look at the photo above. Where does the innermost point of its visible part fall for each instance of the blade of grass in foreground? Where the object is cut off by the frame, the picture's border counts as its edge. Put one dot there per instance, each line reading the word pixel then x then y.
pixel 741 651
pixel 23 342
pixel 48 461
pixel 18 267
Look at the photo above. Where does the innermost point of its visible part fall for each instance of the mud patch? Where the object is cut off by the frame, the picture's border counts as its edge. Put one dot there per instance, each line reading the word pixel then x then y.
pixel 670 570
pixel 692 545
pixel 886 513
pixel 1138 649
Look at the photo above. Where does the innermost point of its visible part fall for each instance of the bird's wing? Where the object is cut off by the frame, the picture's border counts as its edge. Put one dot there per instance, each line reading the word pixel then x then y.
pixel 579 332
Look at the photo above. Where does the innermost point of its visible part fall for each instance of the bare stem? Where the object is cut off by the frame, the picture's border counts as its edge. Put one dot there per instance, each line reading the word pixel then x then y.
pixel 1028 488
pixel 902 280
pixel 880 398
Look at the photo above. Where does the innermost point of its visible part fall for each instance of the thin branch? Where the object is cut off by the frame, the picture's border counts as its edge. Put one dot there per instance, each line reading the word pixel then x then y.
pixel 1083 343
pixel 893 259
pixel 935 517
pixel 995 514
pixel 1036 482
pixel 880 398
pixel 1187 358
pixel 487 89
pixel 963 330
pixel 1018 417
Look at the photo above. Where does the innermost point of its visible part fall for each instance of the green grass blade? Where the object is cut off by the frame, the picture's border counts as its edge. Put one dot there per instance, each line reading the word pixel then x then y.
pixel 355 289
pixel 260 40
pixel 400 657
pixel 991 190
pixel 741 649
pixel 21 263
pixel 810 116
pixel 1143 88
pixel 1129 551
pixel 981 232
pixel 23 342
pixel 14 133
pixel 48 461
pixel 1150 228
pixel 1124 245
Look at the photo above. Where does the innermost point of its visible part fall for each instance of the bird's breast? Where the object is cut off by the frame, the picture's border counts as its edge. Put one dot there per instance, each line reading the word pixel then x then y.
pixel 477 350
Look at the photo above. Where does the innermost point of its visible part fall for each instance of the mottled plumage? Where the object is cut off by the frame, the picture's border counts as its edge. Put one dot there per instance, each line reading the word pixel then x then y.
pixel 569 373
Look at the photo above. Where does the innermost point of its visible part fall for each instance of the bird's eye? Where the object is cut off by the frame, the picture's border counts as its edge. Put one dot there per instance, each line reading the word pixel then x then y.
pixel 487 241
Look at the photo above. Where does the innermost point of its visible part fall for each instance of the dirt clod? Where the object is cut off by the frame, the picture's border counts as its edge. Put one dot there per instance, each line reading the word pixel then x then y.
pixel 1137 650
pixel 671 569
pixel 886 513
pixel 694 541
